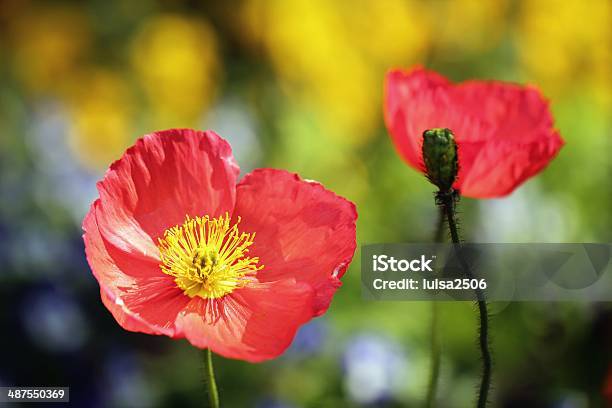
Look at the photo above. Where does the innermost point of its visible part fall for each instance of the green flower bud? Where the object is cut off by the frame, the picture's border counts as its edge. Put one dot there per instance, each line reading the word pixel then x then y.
pixel 440 157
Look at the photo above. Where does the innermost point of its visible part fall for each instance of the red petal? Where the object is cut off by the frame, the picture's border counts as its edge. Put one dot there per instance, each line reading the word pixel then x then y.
pixel 126 294
pixel 522 139
pixel 415 91
pixel 501 165
pixel 255 323
pixel 514 110
pixel 302 230
pixel 504 131
pixel 161 179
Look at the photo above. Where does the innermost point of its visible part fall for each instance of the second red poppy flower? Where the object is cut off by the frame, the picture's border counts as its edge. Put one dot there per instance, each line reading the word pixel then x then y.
pixel 504 132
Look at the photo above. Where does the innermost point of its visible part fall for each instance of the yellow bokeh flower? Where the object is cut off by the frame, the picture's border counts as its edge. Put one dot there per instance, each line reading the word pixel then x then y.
pixel 101 109
pixel 48 45
pixel 566 45
pixel 176 61
pixel 331 56
pixel 466 26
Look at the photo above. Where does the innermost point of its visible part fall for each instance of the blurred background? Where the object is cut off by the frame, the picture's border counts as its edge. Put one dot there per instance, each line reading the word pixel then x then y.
pixel 295 84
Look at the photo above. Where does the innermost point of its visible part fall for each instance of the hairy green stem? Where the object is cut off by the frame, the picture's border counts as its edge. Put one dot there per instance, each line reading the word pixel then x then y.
pixel 434 372
pixel 448 202
pixel 439 235
pixel 434 335
pixel 213 394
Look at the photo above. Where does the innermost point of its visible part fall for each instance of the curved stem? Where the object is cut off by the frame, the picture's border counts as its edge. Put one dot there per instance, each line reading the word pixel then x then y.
pixel 485 384
pixel 213 394
pixel 448 202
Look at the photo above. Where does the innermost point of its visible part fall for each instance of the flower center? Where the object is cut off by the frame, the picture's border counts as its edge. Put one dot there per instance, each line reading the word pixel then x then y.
pixel 206 256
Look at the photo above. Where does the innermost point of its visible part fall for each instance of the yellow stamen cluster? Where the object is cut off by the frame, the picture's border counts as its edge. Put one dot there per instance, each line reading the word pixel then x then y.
pixel 206 256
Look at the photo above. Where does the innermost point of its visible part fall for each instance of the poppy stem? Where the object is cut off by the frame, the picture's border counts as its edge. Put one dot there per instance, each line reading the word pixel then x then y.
pixel 434 373
pixel 439 237
pixel 434 335
pixel 448 202
pixel 213 394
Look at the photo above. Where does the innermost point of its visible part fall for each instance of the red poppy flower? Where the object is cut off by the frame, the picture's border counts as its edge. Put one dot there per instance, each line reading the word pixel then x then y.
pixel 180 248
pixel 504 132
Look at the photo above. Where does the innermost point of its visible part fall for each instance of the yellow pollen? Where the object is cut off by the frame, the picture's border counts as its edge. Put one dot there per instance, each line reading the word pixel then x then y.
pixel 207 256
